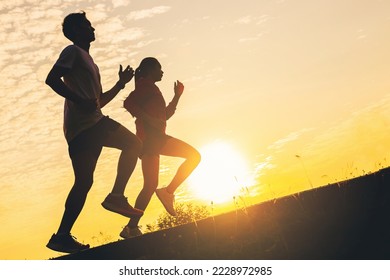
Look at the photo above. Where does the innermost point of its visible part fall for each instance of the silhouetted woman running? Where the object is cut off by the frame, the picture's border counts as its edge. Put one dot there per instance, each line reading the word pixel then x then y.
pixel 146 103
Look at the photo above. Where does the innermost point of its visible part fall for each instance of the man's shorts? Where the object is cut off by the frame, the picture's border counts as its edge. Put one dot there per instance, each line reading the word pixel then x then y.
pixel 92 139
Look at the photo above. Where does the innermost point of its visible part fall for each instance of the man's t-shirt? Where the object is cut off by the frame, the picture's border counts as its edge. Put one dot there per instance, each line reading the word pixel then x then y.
pixel 84 80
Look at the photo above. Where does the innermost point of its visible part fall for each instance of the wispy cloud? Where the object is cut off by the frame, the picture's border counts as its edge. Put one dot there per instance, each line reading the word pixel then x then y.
pixel 254 21
pixel 249 19
pixel 148 13
pixel 362 34
pixel 250 39
pixel 142 44
pixel 293 136
pixel 245 20
pixel 120 3
pixel 263 164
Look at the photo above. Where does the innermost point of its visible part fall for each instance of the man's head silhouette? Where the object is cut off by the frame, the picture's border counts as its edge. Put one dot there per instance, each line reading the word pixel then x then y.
pixel 77 27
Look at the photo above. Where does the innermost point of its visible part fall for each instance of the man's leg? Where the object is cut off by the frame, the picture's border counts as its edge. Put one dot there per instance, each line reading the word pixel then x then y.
pixel 84 163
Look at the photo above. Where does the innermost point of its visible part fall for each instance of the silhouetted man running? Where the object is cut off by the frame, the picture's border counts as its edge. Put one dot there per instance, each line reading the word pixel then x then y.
pixel 76 77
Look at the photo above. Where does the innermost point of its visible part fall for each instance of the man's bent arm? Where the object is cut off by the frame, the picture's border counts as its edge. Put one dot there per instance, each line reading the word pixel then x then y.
pixel 57 84
pixel 54 81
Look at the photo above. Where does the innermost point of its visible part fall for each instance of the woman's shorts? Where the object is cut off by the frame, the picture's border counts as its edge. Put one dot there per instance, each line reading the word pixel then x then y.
pixel 153 143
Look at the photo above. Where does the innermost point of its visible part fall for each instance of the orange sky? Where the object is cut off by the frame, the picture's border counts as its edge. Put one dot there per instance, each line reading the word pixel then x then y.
pixel 270 79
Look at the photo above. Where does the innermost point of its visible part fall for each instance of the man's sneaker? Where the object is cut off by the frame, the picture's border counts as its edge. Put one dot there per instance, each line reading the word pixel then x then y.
pixel 65 243
pixel 119 204
pixel 129 232
pixel 167 199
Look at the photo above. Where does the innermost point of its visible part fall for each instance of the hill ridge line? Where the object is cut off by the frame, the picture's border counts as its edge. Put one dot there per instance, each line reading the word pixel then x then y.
pixel 342 220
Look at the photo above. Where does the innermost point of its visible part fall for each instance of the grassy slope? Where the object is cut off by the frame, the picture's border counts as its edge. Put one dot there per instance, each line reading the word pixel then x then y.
pixel 345 220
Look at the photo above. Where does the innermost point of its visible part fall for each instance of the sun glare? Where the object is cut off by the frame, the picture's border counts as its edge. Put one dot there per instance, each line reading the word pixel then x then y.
pixel 221 174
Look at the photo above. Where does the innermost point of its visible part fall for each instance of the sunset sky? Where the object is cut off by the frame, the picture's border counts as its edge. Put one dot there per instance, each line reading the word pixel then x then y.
pixel 280 96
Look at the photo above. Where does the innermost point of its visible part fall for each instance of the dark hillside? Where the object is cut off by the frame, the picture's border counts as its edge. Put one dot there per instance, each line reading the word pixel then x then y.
pixel 345 220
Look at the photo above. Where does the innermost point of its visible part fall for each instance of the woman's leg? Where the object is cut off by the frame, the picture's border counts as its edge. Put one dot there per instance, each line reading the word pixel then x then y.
pixel 178 148
pixel 150 171
pixel 130 146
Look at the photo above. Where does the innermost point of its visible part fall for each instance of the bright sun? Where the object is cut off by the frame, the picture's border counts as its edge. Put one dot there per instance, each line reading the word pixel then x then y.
pixel 221 173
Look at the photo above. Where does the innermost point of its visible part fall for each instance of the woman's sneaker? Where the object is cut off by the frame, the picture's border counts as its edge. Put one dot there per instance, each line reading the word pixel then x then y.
pixel 119 204
pixel 167 199
pixel 129 232
pixel 65 243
